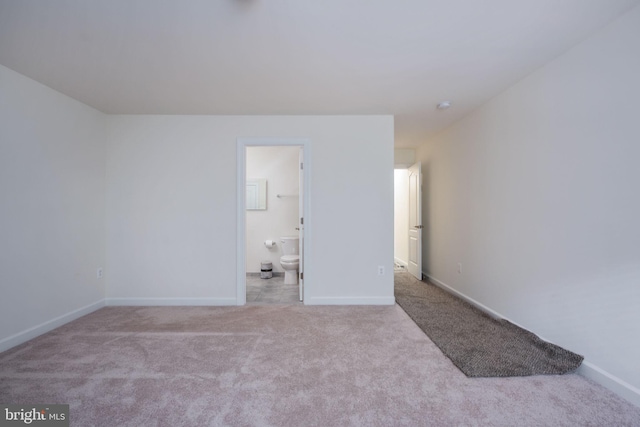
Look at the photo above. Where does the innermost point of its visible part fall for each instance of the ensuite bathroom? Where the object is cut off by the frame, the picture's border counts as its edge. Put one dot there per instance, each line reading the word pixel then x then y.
pixel 272 224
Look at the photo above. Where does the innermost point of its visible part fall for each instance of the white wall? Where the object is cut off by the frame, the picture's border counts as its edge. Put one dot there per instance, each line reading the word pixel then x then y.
pixel 171 206
pixel 401 216
pixel 279 165
pixel 536 194
pixel 404 157
pixel 52 212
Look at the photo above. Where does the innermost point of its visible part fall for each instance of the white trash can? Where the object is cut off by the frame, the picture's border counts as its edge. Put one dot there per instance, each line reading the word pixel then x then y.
pixel 266 271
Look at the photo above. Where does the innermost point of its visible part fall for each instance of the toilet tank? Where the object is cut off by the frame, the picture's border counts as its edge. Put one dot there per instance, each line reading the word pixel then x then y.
pixel 290 245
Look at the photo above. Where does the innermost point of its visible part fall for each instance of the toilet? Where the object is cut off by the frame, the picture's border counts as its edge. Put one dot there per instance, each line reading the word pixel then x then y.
pixel 290 259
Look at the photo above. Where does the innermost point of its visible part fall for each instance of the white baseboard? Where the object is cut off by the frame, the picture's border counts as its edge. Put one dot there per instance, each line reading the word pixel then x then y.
pixel 468 299
pixel 169 301
pixel 401 262
pixel 613 383
pixel 587 369
pixel 351 301
pixel 31 333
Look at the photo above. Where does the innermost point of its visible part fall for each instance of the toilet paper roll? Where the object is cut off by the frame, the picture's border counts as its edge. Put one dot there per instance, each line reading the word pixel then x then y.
pixel 269 244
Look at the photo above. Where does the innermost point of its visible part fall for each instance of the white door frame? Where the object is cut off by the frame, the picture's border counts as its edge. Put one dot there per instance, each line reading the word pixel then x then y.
pixel 415 224
pixel 241 272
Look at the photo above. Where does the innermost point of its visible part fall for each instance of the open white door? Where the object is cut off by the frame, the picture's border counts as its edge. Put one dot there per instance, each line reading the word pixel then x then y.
pixel 415 221
pixel 301 226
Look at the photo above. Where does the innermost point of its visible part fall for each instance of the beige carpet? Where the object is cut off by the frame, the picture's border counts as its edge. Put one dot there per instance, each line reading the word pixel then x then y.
pixel 280 366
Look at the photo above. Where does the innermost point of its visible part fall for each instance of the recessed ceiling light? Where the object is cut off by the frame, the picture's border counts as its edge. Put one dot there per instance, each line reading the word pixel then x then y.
pixel 444 105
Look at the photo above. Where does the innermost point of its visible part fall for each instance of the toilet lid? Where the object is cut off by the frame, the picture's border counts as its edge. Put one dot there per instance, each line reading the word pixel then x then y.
pixel 290 258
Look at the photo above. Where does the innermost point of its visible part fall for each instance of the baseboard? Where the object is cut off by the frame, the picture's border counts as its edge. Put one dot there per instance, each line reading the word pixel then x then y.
pixel 401 262
pixel 587 369
pixel 613 383
pixel 351 301
pixel 468 299
pixel 31 333
pixel 170 301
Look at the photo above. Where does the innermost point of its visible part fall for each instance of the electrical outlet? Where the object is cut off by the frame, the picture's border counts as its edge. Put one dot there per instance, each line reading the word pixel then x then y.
pixel 381 270
pixel 99 273
pixel 459 268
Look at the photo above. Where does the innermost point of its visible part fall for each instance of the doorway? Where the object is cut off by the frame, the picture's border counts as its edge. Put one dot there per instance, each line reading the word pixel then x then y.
pixel 400 219
pixel 408 220
pixel 273 210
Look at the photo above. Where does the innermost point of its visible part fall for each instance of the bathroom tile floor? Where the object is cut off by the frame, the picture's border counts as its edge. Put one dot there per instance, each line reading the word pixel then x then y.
pixel 271 291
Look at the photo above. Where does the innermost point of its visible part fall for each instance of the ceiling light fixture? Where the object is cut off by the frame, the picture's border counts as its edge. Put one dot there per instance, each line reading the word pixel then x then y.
pixel 444 105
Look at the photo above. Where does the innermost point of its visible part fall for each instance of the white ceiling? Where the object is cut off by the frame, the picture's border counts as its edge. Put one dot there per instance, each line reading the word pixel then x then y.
pixel 397 57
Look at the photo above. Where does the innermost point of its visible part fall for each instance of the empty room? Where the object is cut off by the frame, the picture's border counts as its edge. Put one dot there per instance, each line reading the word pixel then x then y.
pixel 277 213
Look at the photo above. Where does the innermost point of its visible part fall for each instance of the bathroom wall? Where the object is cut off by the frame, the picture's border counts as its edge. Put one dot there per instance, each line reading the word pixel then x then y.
pixel 279 166
pixel 401 216
pixel 536 194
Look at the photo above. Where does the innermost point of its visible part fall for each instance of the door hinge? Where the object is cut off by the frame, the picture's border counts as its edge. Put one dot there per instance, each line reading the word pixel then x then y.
pixel 301 165
pixel 301 276
pixel 301 221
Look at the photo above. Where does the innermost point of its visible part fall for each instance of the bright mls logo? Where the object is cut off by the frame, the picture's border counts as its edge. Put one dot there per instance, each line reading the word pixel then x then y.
pixel 34 415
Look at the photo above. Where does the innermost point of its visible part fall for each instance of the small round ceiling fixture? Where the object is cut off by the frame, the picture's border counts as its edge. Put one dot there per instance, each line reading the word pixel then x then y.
pixel 444 105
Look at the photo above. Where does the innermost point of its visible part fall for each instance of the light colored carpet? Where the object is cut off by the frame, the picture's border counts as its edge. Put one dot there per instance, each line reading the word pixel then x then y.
pixel 280 366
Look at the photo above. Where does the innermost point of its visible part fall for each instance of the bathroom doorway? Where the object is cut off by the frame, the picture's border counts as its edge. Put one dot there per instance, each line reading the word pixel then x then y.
pixel 273 220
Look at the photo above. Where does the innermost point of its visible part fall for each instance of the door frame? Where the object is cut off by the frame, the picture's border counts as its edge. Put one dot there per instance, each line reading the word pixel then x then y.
pixel 415 230
pixel 241 229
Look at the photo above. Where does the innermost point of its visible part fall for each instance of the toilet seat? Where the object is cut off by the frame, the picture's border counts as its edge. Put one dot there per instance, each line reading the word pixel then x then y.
pixel 290 258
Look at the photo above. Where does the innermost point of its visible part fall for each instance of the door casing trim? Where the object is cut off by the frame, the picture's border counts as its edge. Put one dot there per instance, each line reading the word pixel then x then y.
pixel 241 145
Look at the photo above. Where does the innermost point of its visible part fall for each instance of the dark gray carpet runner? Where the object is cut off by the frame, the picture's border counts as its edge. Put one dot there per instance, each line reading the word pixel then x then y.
pixel 479 345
